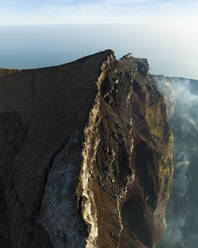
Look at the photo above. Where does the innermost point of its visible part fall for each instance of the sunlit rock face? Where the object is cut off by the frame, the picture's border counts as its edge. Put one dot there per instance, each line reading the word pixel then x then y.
pixel 86 155
pixel 182 218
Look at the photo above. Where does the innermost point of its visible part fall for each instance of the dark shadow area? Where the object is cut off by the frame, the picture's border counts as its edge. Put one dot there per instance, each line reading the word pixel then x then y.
pixel 4 220
pixel 144 165
pixel 133 216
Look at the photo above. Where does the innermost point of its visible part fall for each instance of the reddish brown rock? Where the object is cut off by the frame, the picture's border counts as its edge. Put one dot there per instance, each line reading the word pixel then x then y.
pixel 86 155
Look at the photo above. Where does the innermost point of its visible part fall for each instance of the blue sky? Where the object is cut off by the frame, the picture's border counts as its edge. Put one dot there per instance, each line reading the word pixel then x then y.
pixel 40 12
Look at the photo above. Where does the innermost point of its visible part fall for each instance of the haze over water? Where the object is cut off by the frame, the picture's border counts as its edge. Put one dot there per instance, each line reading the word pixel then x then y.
pixel 45 33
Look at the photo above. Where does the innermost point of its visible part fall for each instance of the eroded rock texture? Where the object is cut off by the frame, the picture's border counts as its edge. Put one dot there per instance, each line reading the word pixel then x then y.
pixel 86 155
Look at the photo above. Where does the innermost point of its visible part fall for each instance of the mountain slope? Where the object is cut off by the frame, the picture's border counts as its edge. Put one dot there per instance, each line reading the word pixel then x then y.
pixel 86 155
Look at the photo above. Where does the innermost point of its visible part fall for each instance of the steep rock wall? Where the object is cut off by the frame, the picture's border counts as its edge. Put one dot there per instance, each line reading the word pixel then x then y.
pixel 86 155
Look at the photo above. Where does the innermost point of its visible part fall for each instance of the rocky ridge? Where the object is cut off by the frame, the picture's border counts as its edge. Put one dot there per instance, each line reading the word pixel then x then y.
pixel 86 155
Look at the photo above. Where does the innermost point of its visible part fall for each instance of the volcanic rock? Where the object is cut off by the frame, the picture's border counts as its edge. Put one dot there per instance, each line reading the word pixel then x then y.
pixel 86 155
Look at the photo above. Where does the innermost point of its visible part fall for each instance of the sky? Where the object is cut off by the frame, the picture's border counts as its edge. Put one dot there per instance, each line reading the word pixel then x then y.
pixel 23 12
pixel 47 32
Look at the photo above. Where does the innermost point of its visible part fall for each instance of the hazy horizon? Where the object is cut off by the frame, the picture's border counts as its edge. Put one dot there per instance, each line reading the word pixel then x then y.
pixel 43 33
pixel 23 47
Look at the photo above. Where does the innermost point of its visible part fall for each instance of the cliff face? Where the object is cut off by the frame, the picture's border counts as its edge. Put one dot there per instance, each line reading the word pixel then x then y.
pixel 182 218
pixel 86 155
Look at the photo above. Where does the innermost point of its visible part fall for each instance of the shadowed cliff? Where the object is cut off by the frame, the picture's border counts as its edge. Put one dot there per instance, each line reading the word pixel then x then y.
pixel 86 155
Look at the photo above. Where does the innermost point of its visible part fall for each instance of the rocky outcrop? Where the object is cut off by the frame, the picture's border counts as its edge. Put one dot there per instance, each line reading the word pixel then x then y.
pixel 86 155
